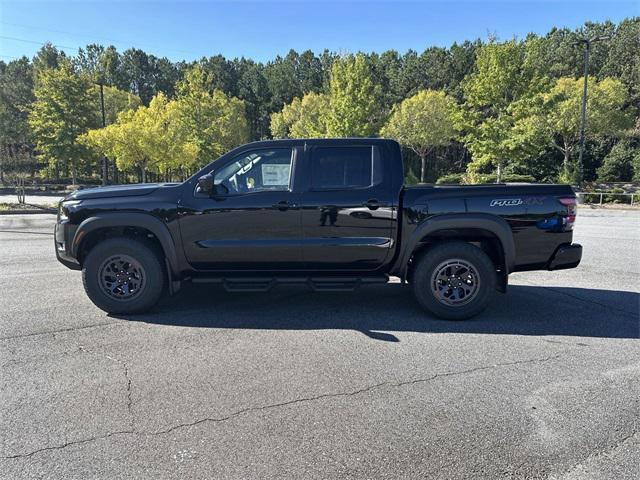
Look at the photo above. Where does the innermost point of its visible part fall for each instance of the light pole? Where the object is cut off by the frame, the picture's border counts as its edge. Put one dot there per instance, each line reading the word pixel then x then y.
pixel 104 124
pixel 583 113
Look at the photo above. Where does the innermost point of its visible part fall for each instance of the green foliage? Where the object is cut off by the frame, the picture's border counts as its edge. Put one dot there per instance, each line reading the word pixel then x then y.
pixel 464 178
pixel 349 110
pixel 354 111
pixel 496 96
pixel 64 109
pixel 253 90
pixel 555 116
pixel 623 60
pixel 492 178
pixel 518 100
pixel 115 101
pixel 410 178
pixel 636 168
pixel 16 94
pixel 149 138
pixel 146 75
pixel 215 122
pixel 181 134
pixel 302 118
pixel 605 115
pixel 451 179
pixel 614 195
pixel 502 75
pixel 422 122
pixel 618 165
pixel 48 57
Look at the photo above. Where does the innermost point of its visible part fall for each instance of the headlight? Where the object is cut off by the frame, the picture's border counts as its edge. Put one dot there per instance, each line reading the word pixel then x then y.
pixel 63 205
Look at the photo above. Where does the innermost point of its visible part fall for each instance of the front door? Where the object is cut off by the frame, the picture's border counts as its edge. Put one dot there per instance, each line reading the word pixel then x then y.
pixel 252 221
pixel 348 208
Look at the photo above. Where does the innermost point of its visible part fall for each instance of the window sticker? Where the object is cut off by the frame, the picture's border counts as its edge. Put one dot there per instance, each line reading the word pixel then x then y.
pixel 276 175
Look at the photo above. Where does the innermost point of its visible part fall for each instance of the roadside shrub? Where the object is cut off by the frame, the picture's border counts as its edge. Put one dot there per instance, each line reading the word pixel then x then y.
pixel 615 198
pixel 410 178
pixel 636 166
pixel 451 179
pixel 515 178
pixel 507 178
pixel 618 164
pixel 607 197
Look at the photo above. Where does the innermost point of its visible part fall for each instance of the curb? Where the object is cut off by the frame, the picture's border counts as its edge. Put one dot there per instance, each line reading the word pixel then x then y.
pixel 27 212
pixel 612 207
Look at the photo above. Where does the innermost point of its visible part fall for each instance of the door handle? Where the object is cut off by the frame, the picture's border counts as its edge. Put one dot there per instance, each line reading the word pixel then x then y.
pixel 283 205
pixel 372 204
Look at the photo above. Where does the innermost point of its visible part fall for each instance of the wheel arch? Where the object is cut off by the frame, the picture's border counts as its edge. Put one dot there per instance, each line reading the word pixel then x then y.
pixel 492 233
pixel 92 229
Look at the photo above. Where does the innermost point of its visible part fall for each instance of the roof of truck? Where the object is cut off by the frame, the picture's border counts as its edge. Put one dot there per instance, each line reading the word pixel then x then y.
pixel 322 141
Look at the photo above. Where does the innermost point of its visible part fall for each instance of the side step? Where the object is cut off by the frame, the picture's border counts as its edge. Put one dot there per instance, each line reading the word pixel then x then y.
pixel 317 284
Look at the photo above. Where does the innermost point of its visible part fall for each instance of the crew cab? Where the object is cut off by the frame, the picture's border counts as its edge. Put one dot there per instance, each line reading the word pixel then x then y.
pixel 332 214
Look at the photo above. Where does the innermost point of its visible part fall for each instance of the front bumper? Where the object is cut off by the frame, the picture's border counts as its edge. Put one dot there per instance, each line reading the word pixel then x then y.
pixel 62 236
pixel 566 256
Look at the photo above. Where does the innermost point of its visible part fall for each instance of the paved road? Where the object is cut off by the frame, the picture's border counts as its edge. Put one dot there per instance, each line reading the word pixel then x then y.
pixel 545 384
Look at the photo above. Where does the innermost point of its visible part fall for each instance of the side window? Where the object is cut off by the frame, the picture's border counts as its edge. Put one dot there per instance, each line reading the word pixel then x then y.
pixel 256 171
pixel 342 168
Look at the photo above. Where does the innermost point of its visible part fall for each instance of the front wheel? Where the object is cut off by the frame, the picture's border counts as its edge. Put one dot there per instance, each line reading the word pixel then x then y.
pixel 454 280
pixel 123 275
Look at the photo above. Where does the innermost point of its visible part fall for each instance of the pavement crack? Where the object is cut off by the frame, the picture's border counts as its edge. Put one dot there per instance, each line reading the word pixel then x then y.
pixel 243 411
pixel 61 330
pixel 351 393
pixel 131 429
pixel 129 384
pixel 67 444
pixel 27 360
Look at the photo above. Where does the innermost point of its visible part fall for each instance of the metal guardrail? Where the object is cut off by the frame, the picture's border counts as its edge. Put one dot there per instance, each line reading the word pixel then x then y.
pixel 600 197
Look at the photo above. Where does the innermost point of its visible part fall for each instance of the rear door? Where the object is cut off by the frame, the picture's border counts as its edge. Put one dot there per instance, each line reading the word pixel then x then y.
pixel 347 207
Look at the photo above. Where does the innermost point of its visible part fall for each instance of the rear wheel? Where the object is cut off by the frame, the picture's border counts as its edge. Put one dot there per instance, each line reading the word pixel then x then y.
pixel 123 275
pixel 454 280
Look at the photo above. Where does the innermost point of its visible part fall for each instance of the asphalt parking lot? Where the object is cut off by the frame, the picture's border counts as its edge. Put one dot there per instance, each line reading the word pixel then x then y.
pixel 292 384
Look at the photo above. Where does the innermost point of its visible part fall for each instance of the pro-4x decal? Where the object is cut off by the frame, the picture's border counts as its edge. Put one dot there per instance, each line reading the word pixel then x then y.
pixel 506 202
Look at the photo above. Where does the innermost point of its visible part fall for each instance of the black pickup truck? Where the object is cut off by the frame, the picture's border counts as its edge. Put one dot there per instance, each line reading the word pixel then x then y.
pixel 329 213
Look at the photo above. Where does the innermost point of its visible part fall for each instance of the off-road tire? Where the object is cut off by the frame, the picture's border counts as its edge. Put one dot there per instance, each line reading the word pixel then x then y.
pixel 436 270
pixel 148 272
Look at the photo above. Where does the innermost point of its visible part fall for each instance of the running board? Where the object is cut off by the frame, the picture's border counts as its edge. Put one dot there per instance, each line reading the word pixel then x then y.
pixel 317 284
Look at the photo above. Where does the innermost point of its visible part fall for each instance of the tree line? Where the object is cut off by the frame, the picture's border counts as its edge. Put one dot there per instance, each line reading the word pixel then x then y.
pixel 473 112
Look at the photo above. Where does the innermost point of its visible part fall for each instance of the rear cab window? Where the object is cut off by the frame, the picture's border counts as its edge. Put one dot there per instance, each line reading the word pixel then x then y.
pixel 345 167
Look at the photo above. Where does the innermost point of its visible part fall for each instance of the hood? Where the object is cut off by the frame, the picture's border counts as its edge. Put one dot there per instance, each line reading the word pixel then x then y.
pixel 115 191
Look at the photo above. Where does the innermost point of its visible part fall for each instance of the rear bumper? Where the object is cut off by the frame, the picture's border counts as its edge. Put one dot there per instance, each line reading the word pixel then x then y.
pixel 566 256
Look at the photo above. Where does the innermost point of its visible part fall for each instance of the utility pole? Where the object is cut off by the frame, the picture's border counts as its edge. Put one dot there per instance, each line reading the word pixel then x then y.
pixel 105 170
pixel 583 112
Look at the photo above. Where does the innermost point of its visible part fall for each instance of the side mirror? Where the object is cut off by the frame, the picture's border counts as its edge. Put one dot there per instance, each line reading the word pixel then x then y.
pixel 205 184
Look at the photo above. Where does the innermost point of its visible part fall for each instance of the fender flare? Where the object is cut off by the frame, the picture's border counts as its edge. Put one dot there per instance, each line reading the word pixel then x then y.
pixel 476 221
pixel 142 220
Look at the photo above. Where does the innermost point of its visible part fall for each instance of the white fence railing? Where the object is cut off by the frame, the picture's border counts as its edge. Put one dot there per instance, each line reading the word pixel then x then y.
pixel 600 198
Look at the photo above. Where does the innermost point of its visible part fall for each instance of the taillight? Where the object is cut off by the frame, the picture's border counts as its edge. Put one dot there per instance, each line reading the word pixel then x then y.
pixel 572 210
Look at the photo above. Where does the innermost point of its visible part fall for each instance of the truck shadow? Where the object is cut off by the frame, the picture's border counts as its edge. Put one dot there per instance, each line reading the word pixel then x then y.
pixel 378 311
